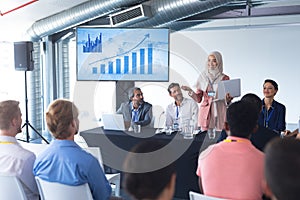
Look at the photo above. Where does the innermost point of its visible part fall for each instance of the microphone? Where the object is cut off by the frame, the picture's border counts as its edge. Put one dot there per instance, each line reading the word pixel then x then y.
pixel 158 130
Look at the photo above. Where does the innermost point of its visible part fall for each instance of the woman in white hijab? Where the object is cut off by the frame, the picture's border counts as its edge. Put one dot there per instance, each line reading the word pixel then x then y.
pixel 212 111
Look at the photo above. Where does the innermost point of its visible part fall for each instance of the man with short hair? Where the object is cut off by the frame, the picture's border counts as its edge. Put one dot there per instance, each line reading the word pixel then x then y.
pixel 136 111
pixel 14 159
pixel 233 168
pixel 64 161
pixel 182 110
pixel 144 178
pixel 282 164
pixel 262 135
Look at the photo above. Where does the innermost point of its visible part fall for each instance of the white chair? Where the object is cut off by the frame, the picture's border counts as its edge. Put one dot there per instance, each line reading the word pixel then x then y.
pixel 58 191
pixel 113 179
pixel 11 188
pixel 197 196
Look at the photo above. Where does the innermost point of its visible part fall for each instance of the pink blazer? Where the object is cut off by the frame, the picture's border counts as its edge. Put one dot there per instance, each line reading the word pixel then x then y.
pixel 204 115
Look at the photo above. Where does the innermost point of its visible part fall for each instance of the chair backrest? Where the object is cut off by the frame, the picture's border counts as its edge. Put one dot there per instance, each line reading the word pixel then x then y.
pixel 34 147
pixel 58 191
pixel 11 188
pixel 96 152
pixel 197 196
pixel 113 179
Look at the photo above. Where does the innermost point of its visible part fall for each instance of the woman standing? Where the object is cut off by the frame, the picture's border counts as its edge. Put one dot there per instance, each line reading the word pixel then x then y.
pixel 272 115
pixel 212 111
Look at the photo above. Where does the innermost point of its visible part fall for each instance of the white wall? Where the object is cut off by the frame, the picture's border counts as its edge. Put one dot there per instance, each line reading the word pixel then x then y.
pixel 252 53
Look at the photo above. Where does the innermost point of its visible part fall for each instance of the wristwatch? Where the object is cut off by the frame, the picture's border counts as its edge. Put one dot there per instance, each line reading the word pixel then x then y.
pixel 190 93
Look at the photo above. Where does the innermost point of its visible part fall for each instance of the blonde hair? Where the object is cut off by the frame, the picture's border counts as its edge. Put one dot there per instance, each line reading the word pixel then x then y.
pixel 8 111
pixel 59 116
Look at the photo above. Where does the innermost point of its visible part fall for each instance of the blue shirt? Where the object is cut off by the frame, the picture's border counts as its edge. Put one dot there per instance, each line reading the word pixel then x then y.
pixel 65 162
pixel 274 118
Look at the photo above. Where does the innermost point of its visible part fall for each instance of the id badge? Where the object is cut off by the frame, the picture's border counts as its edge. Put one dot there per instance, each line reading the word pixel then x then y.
pixel 211 93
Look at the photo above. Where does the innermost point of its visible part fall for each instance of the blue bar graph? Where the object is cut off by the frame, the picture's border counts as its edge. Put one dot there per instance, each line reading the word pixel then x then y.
pixel 94 70
pixel 150 58
pixel 135 62
pixel 118 66
pixel 126 64
pixel 110 67
pixel 142 61
pixel 102 69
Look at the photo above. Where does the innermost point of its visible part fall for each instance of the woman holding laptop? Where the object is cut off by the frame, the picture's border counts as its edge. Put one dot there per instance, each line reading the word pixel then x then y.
pixel 212 111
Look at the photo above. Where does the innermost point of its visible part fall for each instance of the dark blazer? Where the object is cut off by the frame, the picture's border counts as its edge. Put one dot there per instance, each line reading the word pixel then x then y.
pixel 276 120
pixel 259 139
pixel 145 113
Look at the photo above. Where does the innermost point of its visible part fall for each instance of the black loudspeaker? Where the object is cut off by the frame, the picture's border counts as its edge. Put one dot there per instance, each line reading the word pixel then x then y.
pixel 23 56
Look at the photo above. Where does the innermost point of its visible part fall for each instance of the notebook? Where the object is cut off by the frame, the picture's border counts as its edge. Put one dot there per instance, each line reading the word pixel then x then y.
pixel 233 87
pixel 113 122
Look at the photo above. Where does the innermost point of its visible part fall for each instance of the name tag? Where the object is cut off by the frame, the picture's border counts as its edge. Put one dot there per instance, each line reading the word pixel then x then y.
pixel 211 93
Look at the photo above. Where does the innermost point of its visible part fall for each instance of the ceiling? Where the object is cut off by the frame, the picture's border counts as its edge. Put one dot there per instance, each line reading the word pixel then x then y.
pixel 24 13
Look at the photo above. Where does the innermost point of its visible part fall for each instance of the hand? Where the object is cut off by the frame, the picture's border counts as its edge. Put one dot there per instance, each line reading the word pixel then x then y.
pixel 186 88
pixel 228 98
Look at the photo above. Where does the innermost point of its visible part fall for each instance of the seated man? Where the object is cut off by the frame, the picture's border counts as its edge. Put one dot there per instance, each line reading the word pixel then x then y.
pixel 144 178
pixel 263 135
pixel 136 111
pixel 182 110
pixel 282 164
pixel 233 168
pixel 64 161
pixel 14 159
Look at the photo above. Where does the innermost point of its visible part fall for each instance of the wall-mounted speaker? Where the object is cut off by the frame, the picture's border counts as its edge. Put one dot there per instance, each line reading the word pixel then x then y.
pixel 23 56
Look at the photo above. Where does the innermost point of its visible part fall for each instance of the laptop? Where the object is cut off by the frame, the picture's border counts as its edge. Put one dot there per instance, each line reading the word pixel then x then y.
pixel 113 122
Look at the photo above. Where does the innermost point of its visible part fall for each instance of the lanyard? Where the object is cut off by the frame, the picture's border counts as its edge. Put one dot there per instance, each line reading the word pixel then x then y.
pixel 177 112
pixel 5 142
pixel 232 140
pixel 267 116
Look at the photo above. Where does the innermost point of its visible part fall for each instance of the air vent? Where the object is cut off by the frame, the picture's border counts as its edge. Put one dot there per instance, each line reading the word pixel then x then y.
pixel 131 15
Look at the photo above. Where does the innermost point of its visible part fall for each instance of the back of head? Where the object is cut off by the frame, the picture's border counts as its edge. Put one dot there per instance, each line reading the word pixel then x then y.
pixel 282 164
pixel 59 116
pixel 8 110
pixel 254 99
pixel 149 184
pixel 242 118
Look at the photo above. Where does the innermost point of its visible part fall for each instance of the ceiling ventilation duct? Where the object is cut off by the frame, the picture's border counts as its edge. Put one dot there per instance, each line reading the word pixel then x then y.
pixel 77 15
pixel 167 12
pixel 131 15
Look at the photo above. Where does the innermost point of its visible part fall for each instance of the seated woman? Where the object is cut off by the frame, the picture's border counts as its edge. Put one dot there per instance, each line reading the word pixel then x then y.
pixel 272 115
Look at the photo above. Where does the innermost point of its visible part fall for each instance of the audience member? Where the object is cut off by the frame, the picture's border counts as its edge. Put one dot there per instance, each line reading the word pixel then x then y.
pixel 64 161
pixel 182 110
pixel 263 135
pixel 136 110
pixel 212 110
pixel 282 164
pixel 141 183
pixel 14 159
pixel 233 168
pixel 272 115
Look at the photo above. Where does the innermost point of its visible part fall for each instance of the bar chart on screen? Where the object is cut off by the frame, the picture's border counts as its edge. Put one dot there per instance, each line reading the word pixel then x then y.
pixel 123 54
